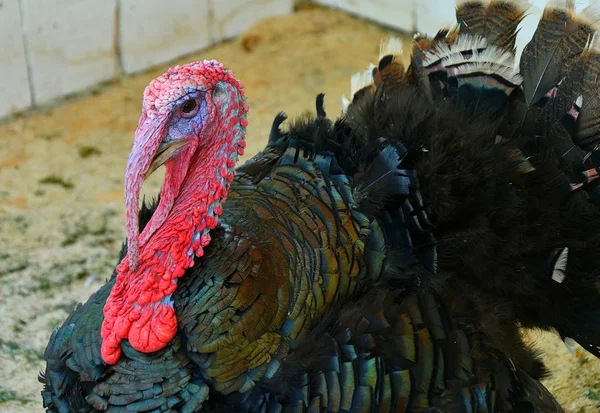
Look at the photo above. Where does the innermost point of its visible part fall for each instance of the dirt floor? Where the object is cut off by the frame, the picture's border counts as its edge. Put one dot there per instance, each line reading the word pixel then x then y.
pixel 61 188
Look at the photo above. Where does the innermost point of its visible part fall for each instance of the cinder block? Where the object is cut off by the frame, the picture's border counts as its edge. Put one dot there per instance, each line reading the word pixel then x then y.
pixel 232 17
pixel 156 31
pixel 398 14
pixel 71 44
pixel 14 85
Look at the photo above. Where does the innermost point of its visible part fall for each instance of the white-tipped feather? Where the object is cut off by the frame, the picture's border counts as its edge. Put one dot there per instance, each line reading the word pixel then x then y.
pixel 495 55
pixel 345 103
pixel 361 79
pixel 468 42
pixel 490 54
pixel 491 60
pixel 452 29
pixel 508 73
pixel 464 43
pixel 392 45
pixel 594 43
pixel 560 268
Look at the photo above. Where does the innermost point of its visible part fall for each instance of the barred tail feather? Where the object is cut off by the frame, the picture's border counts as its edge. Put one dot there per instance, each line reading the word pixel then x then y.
pixel 587 128
pixel 497 21
pixel 557 44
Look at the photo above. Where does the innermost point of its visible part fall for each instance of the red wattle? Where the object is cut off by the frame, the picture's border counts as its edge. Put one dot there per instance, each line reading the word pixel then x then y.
pixel 148 328
pixel 155 328
pixel 136 309
pixel 111 350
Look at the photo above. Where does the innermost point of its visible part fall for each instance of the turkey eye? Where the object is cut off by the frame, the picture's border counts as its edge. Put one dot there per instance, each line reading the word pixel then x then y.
pixel 189 108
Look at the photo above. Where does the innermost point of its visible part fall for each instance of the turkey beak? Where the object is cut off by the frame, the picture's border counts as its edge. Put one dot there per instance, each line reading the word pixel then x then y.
pixel 166 150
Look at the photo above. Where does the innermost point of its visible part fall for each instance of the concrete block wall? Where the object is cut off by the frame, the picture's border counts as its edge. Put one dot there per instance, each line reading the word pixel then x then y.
pixel 15 93
pixel 156 31
pixel 69 44
pixel 232 17
pixel 52 48
pixel 397 14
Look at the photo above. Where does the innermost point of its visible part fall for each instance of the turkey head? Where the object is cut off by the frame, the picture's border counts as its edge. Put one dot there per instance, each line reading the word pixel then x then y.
pixel 193 121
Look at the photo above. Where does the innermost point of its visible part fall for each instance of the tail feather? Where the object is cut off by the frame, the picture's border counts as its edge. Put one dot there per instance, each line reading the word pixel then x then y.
pixel 390 71
pixel 360 83
pixel 503 19
pixel 548 111
pixel 498 22
pixel 562 97
pixel 556 46
pixel 416 70
pixel 474 72
pixel 470 15
pixel 587 128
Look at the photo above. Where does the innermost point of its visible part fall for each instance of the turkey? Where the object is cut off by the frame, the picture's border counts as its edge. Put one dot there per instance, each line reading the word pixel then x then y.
pixel 380 262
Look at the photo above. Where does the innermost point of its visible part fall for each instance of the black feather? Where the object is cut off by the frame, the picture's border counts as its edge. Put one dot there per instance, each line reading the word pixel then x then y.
pixel 320 105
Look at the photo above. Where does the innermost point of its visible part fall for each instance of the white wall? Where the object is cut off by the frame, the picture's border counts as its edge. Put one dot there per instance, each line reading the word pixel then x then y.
pixel 156 31
pixel 398 14
pixel 232 17
pixel 70 44
pixel 51 48
pixel 14 85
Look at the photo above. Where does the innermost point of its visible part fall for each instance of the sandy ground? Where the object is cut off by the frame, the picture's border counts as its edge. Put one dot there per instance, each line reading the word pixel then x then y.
pixel 61 177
